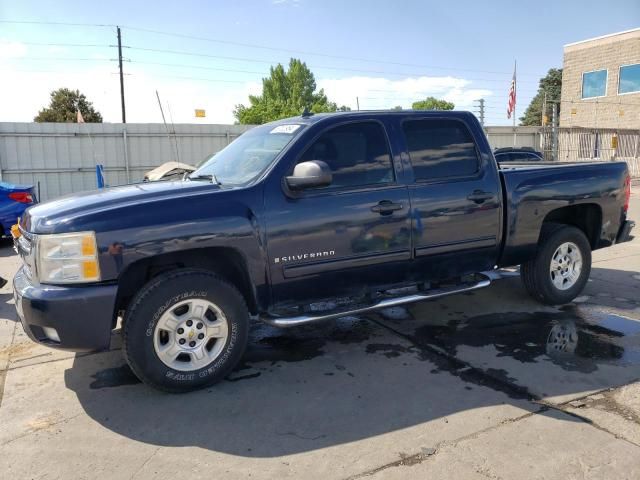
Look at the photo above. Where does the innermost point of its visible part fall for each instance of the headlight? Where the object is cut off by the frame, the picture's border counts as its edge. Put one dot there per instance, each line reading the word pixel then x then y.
pixel 67 258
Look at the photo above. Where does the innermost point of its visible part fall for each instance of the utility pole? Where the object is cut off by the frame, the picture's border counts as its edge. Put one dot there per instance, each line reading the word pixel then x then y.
pixel 481 110
pixel 358 103
pixel 124 115
pixel 554 131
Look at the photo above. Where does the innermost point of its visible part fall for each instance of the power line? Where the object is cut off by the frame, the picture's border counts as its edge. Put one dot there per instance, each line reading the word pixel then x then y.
pixel 199 67
pixel 270 48
pixel 68 24
pixel 66 44
pixel 213 80
pixel 67 59
pixel 319 54
pixel 271 62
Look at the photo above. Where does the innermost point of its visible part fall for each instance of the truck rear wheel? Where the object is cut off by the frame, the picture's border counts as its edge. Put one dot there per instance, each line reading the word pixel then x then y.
pixel 561 267
pixel 185 330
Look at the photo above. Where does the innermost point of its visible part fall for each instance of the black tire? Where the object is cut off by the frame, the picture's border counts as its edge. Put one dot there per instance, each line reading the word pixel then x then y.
pixel 158 296
pixel 535 273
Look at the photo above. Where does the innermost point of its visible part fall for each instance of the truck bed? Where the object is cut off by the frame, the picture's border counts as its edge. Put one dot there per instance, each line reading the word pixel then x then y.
pixel 533 190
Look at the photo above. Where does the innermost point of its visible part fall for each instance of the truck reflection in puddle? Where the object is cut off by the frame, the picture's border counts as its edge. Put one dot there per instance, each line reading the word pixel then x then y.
pixel 575 338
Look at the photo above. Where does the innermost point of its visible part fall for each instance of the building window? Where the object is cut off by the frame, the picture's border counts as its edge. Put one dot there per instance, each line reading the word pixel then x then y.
pixel 594 84
pixel 629 81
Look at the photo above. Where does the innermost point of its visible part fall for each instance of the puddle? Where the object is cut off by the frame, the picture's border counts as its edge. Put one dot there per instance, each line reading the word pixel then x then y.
pixel 274 345
pixel 113 377
pixel 575 338
pixel 386 349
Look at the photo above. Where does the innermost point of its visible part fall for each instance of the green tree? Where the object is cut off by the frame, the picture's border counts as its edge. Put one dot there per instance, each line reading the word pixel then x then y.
pixel 551 84
pixel 432 103
pixel 285 93
pixel 64 107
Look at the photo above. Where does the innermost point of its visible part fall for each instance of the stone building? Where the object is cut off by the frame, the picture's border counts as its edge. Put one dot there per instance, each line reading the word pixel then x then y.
pixel 601 82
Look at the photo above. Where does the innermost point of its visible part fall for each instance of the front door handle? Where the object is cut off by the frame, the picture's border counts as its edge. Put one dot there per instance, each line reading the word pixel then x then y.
pixel 386 207
pixel 478 196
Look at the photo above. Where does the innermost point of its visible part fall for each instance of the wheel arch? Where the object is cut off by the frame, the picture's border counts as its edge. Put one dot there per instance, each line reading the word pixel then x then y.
pixel 227 262
pixel 587 217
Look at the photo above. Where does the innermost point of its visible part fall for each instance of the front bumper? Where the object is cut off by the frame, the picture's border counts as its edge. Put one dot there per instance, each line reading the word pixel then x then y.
pixel 624 234
pixel 81 316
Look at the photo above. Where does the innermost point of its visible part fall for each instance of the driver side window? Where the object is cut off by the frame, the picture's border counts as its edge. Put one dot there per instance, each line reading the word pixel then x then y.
pixel 357 154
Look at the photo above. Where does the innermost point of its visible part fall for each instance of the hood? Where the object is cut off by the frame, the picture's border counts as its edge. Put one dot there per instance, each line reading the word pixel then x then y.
pixel 47 217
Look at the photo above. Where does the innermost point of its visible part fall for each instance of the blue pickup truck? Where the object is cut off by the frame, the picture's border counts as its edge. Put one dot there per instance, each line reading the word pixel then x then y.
pixel 304 220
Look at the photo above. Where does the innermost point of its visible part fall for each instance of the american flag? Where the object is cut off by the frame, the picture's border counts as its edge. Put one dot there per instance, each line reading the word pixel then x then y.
pixel 511 106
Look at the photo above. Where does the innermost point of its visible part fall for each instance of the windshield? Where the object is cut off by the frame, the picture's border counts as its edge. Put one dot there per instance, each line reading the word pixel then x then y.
pixel 244 159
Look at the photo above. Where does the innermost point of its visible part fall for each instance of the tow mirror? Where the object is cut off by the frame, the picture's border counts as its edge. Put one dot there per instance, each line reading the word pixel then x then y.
pixel 311 174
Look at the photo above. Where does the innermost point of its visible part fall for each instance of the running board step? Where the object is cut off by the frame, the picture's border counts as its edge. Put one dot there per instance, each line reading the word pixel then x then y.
pixel 277 321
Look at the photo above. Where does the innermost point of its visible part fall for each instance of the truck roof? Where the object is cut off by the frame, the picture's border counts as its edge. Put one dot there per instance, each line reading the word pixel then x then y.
pixel 312 118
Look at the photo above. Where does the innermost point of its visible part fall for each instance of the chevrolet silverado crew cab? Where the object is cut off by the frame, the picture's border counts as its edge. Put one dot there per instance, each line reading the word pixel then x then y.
pixel 302 220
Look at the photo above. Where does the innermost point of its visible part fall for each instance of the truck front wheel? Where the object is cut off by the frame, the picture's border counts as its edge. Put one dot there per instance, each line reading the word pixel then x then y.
pixel 186 329
pixel 561 267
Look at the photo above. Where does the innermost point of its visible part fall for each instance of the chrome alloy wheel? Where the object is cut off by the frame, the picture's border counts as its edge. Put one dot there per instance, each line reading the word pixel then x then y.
pixel 566 265
pixel 190 334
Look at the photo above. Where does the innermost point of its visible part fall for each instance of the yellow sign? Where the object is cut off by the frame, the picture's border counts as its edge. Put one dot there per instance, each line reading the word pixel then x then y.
pixel 574 111
pixel 200 113
pixel 614 141
pixel 545 120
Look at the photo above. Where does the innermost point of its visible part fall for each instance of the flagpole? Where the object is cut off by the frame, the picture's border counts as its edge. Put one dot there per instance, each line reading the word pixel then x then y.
pixel 514 103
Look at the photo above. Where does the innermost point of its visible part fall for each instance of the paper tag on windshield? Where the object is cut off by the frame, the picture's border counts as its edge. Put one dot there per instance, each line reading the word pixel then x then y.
pixel 285 128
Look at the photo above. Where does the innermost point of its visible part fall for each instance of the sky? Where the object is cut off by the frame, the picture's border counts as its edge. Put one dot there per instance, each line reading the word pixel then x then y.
pixel 212 54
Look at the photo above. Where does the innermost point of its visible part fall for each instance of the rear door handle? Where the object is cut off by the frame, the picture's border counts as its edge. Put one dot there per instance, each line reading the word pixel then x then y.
pixel 386 207
pixel 479 196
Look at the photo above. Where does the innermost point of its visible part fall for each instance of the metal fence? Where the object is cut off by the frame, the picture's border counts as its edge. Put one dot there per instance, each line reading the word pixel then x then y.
pixel 60 158
pixel 505 136
pixel 588 145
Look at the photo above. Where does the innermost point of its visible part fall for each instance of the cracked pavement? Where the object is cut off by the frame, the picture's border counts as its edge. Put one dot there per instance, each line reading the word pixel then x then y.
pixel 483 385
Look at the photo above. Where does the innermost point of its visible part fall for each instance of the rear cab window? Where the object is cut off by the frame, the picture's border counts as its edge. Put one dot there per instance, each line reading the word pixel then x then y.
pixel 440 148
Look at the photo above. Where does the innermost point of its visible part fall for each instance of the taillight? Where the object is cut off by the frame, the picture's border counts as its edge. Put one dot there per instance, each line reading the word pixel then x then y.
pixel 627 193
pixel 21 197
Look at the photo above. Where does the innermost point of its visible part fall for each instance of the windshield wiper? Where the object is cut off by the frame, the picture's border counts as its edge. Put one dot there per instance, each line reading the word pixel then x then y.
pixel 208 176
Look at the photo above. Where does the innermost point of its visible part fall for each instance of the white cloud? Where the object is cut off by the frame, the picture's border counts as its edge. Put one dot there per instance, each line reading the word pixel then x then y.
pixel 376 92
pixel 26 92
pixel 9 49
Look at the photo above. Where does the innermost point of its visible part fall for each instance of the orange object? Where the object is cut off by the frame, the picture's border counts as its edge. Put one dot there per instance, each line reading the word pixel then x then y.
pixel 90 269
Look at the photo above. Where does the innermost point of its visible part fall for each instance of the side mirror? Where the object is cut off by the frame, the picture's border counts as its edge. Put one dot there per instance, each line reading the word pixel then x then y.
pixel 314 173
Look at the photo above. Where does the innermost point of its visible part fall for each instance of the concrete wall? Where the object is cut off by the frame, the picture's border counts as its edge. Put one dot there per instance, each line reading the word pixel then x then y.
pixel 612 110
pixel 62 156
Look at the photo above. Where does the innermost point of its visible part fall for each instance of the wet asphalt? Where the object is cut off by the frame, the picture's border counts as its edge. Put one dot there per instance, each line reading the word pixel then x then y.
pixel 576 342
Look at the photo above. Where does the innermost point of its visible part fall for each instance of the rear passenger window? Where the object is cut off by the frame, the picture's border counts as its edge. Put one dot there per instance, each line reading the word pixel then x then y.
pixel 440 148
pixel 357 153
